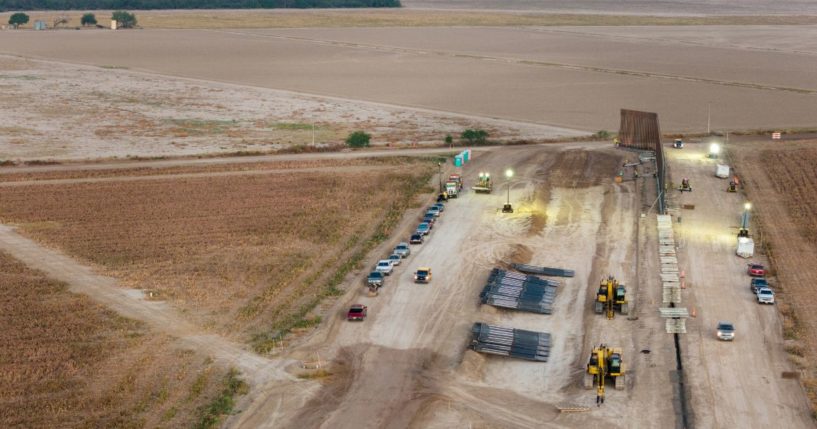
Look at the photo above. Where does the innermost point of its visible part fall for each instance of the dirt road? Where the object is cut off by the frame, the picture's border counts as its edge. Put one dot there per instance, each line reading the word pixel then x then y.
pixel 198 162
pixel 736 384
pixel 248 172
pixel 133 304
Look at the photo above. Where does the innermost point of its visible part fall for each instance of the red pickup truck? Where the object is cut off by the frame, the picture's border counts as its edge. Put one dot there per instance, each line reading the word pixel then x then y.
pixel 357 312
pixel 756 270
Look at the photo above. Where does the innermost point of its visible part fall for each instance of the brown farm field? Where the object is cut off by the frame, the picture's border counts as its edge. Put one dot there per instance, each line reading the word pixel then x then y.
pixel 250 255
pixel 68 362
pixel 105 111
pixel 570 77
pixel 781 181
pixel 327 18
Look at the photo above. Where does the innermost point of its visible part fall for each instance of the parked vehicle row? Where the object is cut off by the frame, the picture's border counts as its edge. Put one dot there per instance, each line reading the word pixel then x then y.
pixel 763 292
pixel 759 285
pixel 385 267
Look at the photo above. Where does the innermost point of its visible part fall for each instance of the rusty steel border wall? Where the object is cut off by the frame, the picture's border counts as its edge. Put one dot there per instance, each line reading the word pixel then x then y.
pixel 640 130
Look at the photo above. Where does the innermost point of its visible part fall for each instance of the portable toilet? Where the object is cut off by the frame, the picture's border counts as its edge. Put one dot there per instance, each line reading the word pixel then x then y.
pixel 466 154
pixel 458 161
pixel 39 25
pixel 113 24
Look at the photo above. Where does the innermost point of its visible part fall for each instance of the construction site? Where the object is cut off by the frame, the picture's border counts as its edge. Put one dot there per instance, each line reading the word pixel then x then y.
pixel 193 260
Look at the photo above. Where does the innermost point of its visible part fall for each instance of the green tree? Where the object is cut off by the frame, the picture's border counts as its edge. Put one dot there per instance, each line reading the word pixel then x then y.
pixel 449 140
pixel 358 139
pixel 124 19
pixel 88 19
pixel 18 19
pixel 475 136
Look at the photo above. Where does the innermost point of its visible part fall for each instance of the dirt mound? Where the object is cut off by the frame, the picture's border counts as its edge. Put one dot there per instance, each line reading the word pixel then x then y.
pixel 582 169
pixel 521 254
pixel 472 366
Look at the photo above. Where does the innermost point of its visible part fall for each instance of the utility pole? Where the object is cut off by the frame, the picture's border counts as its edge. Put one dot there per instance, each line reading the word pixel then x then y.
pixel 440 172
pixel 708 118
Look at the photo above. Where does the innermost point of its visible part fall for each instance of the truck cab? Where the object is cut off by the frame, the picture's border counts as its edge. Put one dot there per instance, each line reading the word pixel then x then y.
pixel 452 189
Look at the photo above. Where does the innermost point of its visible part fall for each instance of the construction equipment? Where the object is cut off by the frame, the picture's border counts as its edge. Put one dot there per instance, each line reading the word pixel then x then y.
pixel 685 186
pixel 484 185
pixel 733 187
pixel 612 296
pixel 456 178
pixel 452 189
pixel 604 363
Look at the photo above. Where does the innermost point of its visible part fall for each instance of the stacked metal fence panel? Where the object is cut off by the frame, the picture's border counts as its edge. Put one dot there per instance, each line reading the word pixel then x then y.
pixel 507 289
pixel 543 271
pixel 510 342
pixel 671 279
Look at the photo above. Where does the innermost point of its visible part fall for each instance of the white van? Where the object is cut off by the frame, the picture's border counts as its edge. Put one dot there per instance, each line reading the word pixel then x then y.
pixel 722 171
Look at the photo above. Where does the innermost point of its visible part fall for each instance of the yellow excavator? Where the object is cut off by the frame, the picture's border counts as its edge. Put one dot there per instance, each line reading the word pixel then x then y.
pixel 605 363
pixel 612 296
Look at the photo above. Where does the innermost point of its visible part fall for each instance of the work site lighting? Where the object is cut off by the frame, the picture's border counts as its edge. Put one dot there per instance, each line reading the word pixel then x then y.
pixel 508 208
pixel 714 150
pixel 744 220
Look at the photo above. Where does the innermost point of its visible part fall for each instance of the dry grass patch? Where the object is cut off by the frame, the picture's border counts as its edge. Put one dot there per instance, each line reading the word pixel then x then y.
pixel 67 362
pixel 137 171
pixel 240 254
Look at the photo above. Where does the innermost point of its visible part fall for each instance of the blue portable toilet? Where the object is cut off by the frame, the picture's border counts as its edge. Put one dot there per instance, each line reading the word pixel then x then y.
pixel 458 161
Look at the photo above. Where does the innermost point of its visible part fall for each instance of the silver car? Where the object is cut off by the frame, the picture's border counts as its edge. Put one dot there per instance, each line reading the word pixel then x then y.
pixel 726 331
pixel 403 250
pixel 384 266
pixel 765 296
